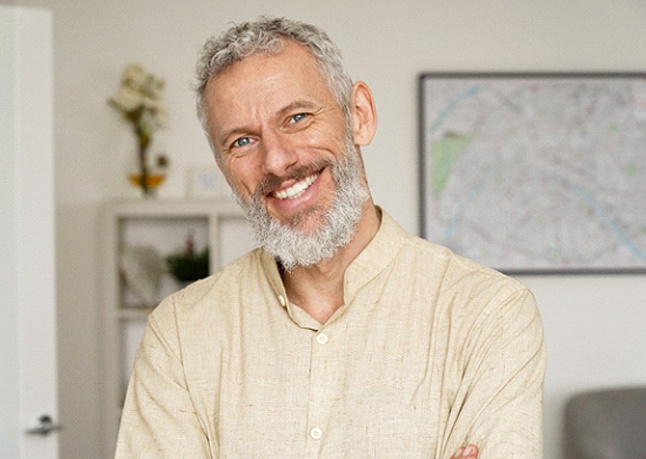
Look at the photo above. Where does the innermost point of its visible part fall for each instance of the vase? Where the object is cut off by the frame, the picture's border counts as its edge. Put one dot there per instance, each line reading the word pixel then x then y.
pixel 150 185
pixel 145 176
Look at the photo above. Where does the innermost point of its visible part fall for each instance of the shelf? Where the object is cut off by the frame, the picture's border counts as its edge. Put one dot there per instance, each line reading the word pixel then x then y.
pixel 162 226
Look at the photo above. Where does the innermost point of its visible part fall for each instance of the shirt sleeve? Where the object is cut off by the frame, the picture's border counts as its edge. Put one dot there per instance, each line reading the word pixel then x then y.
pixel 159 418
pixel 498 404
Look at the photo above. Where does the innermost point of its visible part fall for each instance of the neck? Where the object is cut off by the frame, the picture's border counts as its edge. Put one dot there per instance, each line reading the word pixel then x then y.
pixel 318 289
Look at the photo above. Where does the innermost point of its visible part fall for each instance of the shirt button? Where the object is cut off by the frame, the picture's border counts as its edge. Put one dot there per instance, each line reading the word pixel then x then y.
pixel 321 338
pixel 282 300
pixel 316 433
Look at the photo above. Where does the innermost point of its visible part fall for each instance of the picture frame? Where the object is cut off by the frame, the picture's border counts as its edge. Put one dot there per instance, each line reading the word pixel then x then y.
pixel 535 172
pixel 206 182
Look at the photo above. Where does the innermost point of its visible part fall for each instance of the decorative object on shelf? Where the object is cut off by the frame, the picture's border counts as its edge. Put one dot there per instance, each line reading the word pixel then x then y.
pixel 140 101
pixel 142 268
pixel 206 182
pixel 188 265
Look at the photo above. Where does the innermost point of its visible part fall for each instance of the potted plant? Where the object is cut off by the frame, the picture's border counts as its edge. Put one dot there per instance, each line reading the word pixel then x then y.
pixel 189 265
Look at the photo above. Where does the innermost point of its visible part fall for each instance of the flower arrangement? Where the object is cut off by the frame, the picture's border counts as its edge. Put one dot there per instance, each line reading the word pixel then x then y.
pixel 139 99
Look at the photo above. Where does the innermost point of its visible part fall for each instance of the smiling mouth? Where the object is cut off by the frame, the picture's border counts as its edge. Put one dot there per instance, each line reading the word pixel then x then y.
pixel 296 189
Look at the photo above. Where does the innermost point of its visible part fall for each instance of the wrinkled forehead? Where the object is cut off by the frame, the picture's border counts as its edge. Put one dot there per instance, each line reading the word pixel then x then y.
pixel 271 46
pixel 292 64
pixel 265 86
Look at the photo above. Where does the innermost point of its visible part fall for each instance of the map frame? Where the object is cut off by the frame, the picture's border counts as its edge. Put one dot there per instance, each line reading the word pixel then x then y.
pixel 434 113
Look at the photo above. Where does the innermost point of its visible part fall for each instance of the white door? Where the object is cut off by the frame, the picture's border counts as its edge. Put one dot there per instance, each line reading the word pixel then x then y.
pixel 27 297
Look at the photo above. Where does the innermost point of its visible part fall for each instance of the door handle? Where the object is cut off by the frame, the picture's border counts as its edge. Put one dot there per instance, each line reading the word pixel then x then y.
pixel 44 427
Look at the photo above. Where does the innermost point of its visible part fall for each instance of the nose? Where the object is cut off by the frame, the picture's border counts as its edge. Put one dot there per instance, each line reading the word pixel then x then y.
pixel 279 155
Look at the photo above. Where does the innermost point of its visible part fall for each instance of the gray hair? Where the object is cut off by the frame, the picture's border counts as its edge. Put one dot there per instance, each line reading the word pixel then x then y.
pixel 267 35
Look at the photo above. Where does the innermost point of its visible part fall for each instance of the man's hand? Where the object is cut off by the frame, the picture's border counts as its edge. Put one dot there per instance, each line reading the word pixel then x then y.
pixel 470 452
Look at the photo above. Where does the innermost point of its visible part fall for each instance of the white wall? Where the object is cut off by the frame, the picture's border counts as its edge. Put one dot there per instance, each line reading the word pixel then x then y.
pixel 594 324
pixel 9 383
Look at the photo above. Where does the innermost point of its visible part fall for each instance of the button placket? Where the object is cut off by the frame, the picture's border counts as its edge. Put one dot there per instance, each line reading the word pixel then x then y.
pixel 322 389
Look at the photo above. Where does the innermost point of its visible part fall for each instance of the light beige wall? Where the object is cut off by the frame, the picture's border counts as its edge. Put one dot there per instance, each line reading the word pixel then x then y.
pixel 385 43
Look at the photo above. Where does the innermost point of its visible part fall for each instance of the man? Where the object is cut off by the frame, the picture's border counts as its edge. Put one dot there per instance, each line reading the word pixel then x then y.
pixel 342 336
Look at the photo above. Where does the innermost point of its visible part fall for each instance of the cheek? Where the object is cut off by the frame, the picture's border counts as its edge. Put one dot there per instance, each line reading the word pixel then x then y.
pixel 328 137
pixel 242 175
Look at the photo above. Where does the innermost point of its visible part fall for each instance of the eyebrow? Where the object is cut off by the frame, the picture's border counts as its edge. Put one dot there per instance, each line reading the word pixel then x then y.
pixel 298 105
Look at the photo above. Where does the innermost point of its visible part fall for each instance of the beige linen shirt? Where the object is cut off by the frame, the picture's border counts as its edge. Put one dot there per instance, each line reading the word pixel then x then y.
pixel 430 352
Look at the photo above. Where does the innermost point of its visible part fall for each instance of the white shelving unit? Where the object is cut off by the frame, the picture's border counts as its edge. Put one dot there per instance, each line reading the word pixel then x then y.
pixel 164 226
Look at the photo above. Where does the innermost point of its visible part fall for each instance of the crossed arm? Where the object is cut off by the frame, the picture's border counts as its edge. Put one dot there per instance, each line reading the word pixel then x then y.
pixel 497 409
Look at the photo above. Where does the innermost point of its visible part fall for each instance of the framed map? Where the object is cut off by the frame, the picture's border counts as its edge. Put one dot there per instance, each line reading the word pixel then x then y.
pixel 536 172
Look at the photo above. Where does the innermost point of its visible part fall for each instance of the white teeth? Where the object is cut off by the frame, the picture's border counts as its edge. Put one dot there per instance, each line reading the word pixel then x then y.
pixel 296 189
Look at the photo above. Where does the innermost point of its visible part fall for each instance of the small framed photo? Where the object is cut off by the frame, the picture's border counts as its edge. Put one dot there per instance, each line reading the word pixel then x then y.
pixel 206 182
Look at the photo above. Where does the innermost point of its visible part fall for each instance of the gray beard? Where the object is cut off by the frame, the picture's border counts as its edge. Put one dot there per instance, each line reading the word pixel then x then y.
pixel 293 247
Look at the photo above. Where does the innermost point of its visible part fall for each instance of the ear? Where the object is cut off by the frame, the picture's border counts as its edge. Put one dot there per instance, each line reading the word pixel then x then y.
pixel 363 114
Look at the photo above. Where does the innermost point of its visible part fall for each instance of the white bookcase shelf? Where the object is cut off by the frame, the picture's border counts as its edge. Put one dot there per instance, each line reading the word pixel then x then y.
pixel 162 225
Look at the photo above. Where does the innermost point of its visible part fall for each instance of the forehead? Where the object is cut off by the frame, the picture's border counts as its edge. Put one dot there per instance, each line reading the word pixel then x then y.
pixel 293 70
pixel 285 51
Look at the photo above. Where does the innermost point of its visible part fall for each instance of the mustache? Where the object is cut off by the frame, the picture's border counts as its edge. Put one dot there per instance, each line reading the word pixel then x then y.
pixel 273 182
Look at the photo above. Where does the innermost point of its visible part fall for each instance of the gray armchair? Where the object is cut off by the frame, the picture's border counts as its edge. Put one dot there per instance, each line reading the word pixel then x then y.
pixel 606 424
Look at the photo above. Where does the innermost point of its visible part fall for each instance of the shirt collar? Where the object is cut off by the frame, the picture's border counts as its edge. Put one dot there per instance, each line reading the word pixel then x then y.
pixel 377 255
pixel 381 250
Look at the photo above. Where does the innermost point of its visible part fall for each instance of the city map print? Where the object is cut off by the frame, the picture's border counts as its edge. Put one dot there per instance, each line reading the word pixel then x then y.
pixel 536 172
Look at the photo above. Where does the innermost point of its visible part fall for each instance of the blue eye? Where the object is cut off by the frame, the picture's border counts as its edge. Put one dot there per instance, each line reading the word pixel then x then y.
pixel 241 142
pixel 298 117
